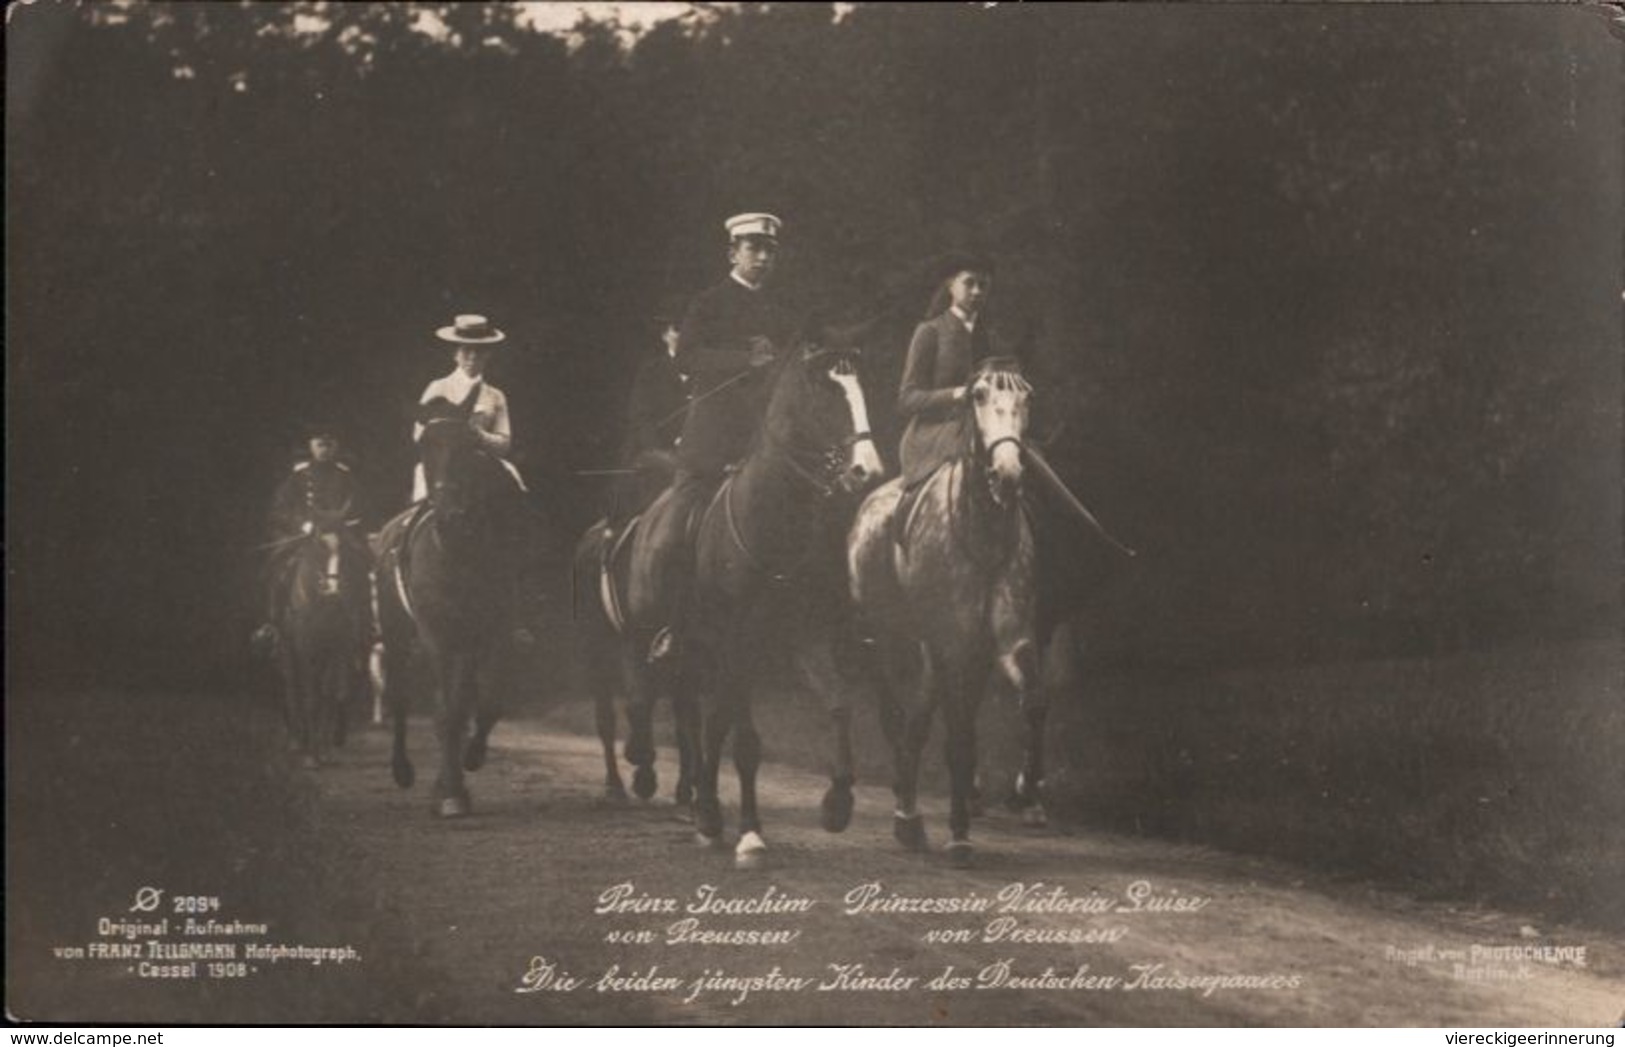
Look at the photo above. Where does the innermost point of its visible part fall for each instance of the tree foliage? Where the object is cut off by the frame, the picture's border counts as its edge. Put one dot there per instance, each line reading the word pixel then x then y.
pixel 1323 299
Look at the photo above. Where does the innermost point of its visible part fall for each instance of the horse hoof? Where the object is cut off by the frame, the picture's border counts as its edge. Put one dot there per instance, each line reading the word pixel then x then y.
pixel 909 830
pixel 710 843
pixel 708 818
pixel 644 781
pixel 454 807
pixel 960 854
pixel 404 774
pixel 615 792
pixel 474 755
pixel 837 808
pixel 310 763
pixel 1034 816
pixel 751 852
pixel 684 796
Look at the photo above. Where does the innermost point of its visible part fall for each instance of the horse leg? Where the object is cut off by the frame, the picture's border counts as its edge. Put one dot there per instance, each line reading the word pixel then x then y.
pixel 836 809
pixel 392 692
pixel 715 718
pixel 640 747
pixel 484 710
pixel 451 727
pixel 685 714
pixel 752 849
pixel 817 663
pixel 959 716
pixel 1029 797
pixel 376 667
pixel 288 686
pixel 1021 664
pixel 603 711
pixel 308 694
pixel 915 727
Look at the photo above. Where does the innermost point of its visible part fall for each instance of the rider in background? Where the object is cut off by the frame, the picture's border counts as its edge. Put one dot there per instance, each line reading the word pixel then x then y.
pixel 320 496
pixel 655 414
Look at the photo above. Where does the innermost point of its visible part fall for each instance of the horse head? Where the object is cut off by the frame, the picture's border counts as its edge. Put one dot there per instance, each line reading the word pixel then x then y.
pixel 317 568
pixel 998 404
pixel 456 471
pixel 819 421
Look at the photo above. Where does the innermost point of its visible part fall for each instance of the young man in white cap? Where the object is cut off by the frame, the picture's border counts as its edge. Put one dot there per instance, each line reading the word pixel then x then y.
pixel 732 332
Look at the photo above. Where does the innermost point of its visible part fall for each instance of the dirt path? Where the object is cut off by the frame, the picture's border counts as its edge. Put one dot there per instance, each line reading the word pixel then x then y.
pixel 484 897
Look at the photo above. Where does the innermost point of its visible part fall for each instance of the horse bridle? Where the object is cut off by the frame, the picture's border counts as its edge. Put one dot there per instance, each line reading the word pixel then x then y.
pixel 996 444
pixel 825 482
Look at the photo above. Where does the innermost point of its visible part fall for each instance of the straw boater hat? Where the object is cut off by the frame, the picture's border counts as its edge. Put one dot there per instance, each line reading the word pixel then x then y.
pixel 470 329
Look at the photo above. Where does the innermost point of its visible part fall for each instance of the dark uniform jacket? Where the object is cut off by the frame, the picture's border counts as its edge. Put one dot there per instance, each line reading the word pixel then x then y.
pixel 940 359
pixel 714 347
pixel 320 493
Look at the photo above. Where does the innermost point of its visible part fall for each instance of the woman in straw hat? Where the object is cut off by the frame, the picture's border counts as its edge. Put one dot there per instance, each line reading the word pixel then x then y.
pixel 473 338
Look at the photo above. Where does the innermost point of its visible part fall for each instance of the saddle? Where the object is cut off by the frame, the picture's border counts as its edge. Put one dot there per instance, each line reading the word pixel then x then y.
pixel 907 505
pixel 392 539
pixel 664 552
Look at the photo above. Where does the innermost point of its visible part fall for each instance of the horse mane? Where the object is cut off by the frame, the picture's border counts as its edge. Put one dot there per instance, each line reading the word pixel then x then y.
pixel 438 409
pixel 1004 372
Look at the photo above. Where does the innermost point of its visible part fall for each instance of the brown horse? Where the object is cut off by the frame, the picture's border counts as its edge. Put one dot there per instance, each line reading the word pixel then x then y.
pixel 613 646
pixel 446 577
pixel 320 630
pixel 948 595
pixel 767 549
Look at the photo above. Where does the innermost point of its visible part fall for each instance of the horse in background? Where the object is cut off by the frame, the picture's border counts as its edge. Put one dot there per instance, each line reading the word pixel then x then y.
pixel 446 575
pixel 322 621
pixel 769 543
pixel 613 645
pixel 949 595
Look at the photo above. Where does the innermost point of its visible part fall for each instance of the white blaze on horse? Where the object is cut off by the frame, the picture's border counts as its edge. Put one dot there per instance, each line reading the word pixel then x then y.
pixel 948 597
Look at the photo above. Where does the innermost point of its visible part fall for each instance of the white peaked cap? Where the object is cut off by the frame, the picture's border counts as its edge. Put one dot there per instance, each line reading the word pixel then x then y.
pixel 756 223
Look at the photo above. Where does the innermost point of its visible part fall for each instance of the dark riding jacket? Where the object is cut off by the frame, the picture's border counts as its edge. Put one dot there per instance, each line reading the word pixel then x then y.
pixel 940 359
pixel 713 349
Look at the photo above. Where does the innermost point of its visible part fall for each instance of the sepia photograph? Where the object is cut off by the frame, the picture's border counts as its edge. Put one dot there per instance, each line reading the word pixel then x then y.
pixel 809 514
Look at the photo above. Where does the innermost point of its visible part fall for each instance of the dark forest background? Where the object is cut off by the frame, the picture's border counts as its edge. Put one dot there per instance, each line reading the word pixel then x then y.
pixel 1324 301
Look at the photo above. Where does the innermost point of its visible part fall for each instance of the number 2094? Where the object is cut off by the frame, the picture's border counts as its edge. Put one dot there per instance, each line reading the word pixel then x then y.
pixel 195 903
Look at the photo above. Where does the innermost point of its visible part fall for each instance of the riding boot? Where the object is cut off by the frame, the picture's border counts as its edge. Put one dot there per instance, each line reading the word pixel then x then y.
pixel 676 562
pixel 900 515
